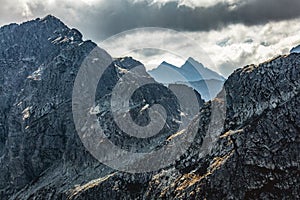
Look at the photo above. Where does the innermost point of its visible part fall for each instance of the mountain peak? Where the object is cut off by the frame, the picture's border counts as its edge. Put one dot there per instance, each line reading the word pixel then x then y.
pixel 190 59
pixel 37 36
pixel 53 21
pixel 191 65
pixel 194 62
pixel 50 18
pixel 205 81
pixel 164 63
pixel 295 49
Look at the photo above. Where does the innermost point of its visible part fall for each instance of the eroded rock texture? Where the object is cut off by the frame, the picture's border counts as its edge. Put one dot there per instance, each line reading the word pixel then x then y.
pixel 254 155
pixel 39 61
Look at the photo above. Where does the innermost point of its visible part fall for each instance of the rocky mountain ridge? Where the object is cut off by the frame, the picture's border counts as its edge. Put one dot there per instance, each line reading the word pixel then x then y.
pixel 255 154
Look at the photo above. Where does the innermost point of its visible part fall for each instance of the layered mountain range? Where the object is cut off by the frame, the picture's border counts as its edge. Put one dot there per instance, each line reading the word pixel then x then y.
pixel 193 74
pixel 255 153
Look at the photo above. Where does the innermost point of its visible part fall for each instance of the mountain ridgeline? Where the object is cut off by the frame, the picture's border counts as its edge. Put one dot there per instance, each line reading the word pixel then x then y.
pixel 193 74
pixel 255 154
pixel 296 49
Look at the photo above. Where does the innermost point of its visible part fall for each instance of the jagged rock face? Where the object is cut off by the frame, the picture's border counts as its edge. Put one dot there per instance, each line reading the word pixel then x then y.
pixel 39 60
pixel 41 151
pixel 144 97
pixel 23 50
pixel 256 156
pixel 259 159
pixel 263 87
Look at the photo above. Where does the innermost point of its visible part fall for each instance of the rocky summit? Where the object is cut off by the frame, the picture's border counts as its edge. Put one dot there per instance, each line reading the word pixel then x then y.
pixel 252 151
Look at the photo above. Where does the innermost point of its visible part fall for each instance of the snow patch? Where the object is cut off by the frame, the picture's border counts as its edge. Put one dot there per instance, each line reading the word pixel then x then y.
pixel 95 110
pixel 121 70
pixel 145 107
pixel 26 113
pixel 36 75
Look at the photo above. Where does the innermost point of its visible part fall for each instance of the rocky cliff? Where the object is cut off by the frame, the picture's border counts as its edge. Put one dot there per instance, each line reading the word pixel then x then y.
pixel 255 153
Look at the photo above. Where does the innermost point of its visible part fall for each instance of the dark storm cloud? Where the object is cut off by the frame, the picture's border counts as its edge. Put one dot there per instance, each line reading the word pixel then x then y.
pixel 113 17
pixel 108 17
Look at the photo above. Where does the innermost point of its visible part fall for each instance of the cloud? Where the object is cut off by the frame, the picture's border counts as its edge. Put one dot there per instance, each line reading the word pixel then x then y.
pixel 238 45
pixel 11 13
pixel 230 48
pixel 105 18
pixel 111 17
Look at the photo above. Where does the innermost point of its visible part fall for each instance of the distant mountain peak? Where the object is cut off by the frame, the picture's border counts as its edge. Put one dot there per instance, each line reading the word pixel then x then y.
pixel 164 63
pixel 295 49
pixel 190 59
pixel 191 73
pixel 50 18
pixel 190 62
pixel 192 70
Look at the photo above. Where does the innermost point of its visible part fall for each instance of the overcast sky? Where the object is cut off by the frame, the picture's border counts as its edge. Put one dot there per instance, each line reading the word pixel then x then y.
pixel 233 33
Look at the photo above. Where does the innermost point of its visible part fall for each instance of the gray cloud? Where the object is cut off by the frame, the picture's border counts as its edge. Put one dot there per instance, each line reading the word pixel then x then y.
pixel 111 18
pixel 106 18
